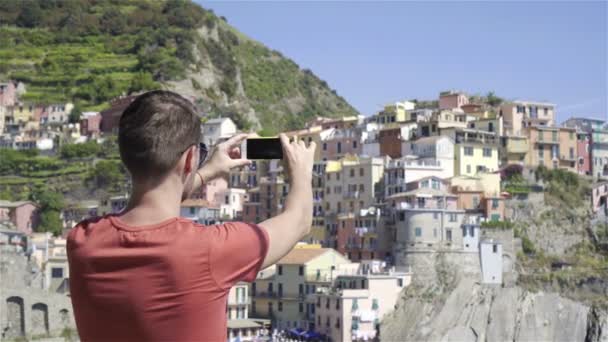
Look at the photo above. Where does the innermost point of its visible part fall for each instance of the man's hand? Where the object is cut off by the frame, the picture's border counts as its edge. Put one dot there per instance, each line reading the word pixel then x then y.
pixel 299 159
pixel 224 157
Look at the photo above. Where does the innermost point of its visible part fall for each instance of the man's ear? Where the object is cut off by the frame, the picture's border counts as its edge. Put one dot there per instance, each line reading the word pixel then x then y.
pixel 189 160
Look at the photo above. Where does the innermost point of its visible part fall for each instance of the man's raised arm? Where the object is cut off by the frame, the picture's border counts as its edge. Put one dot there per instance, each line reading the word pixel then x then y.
pixel 287 228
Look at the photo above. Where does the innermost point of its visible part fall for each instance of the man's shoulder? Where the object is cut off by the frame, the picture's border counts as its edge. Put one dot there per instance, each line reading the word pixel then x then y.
pixel 83 226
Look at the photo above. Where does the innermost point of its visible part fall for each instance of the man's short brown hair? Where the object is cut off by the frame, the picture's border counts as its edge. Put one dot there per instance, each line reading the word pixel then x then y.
pixel 155 130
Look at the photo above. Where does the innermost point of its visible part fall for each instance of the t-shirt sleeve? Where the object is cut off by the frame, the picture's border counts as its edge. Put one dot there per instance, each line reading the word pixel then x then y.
pixel 237 252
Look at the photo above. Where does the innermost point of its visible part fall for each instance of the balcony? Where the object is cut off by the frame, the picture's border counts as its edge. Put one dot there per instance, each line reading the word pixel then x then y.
pixel 266 294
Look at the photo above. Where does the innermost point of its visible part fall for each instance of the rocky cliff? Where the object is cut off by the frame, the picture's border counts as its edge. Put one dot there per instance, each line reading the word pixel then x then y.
pixel 543 303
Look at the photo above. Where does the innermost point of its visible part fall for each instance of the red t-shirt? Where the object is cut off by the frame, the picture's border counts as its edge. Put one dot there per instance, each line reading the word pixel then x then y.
pixel 163 282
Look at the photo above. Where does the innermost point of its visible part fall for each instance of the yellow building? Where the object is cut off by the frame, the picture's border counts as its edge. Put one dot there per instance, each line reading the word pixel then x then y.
pixel 396 112
pixel 471 157
pixel 283 297
pixel 23 112
pixel 350 184
pixel 513 149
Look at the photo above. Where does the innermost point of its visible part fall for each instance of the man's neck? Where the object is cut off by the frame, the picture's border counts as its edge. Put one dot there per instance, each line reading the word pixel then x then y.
pixel 150 205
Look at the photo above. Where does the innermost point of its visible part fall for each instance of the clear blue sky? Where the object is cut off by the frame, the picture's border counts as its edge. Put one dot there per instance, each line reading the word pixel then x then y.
pixel 377 52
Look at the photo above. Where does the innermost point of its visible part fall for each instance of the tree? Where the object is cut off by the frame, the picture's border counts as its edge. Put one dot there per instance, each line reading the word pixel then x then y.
pixel 50 203
pixel 75 114
pixel 142 81
pixel 50 221
pixel 107 174
pixel 493 100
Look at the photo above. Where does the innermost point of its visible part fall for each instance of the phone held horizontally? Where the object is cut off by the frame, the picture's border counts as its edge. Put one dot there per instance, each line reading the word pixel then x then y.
pixel 264 148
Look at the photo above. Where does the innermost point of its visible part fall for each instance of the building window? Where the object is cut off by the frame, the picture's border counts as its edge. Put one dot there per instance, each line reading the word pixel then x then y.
pixel 494 248
pixel 339 147
pixel 280 290
pixel 352 173
pixel 448 234
pixel 468 168
pixel 355 144
pixel 324 146
pixel 468 151
pixel 453 217
pixel 280 270
pixel 361 188
pixel 487 152
pixel 401 216
pixel 495 217
pixel 337 322
pixel 301 289
pixel 301 307
pixel 540 136
pixel 418 231
pixel 301 270
pixel 400 282
pixel 541 152
pixel 494 203
pixel 57 272
pixel 554 135
pixel 280 306
pixel 435 215
pixel 270 309
pixel 361 172
pixel 192 210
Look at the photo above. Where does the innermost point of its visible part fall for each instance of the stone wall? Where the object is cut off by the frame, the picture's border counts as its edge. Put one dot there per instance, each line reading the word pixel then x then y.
pixel 26 310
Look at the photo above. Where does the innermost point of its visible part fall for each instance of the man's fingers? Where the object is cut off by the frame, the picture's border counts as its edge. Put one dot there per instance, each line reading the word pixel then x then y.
pixel 236 140
pixel 284 141
pixel 240 162
pixel 312 146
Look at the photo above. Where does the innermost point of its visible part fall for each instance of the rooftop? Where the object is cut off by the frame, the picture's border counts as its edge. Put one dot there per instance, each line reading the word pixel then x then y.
pixel 299 256
pixel 9 204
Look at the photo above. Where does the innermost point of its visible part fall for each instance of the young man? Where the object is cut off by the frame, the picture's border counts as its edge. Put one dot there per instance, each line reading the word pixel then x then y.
pixel 146 274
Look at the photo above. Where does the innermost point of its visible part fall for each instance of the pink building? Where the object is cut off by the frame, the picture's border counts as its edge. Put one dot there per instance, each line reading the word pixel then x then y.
pixel 8 94
pixel 336 143
pixel 90 124
pixel 583 153
pixel 452 99
pixel 23 214
pixel 211 190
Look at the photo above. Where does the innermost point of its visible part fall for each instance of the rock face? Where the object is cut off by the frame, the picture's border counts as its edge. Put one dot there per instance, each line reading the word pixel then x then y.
pixel 456 307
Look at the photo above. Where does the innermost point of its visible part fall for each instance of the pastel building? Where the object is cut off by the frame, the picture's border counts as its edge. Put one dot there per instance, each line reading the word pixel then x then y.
pixel 599 153
pixel 599 198
pixel 352 309
pixel 440 120
pixel 8 93
pixel 200 211
pixel 337 143
pixel 474 155
pixel 240 326
pixel 298 274
pixel 230 202
pixel 491 258
pixel 345 122
pixel 452 99
pixel 350 184
pixel 513 149
pixel 435 150
pixel 519 115
pixel 583 153
pixel 23 214
pixel 551 147
pixel 216 130
pixel 426 218
pixel 308 135
pixel 90 124
pixel 397 112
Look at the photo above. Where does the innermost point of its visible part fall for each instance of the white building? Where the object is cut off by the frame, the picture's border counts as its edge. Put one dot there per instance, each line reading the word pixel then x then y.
pixel 240 326
pixel 214 130
pixel 491 261
pixel 435 148
pixel 200 211
pixel 355 305
pixel 58 113
pixel 470 234
pixel 231 202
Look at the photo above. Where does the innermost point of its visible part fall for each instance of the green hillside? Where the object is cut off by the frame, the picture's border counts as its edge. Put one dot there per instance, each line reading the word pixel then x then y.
pixel 89 51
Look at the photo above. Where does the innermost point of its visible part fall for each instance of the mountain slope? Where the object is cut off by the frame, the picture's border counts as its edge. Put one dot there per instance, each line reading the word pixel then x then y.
pixel 89 51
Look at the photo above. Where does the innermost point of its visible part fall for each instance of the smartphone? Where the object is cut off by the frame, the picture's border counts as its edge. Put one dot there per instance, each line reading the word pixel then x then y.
pixel 264 148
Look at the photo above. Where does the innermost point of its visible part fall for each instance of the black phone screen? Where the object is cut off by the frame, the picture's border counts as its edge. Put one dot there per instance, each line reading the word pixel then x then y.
pixel 264 148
